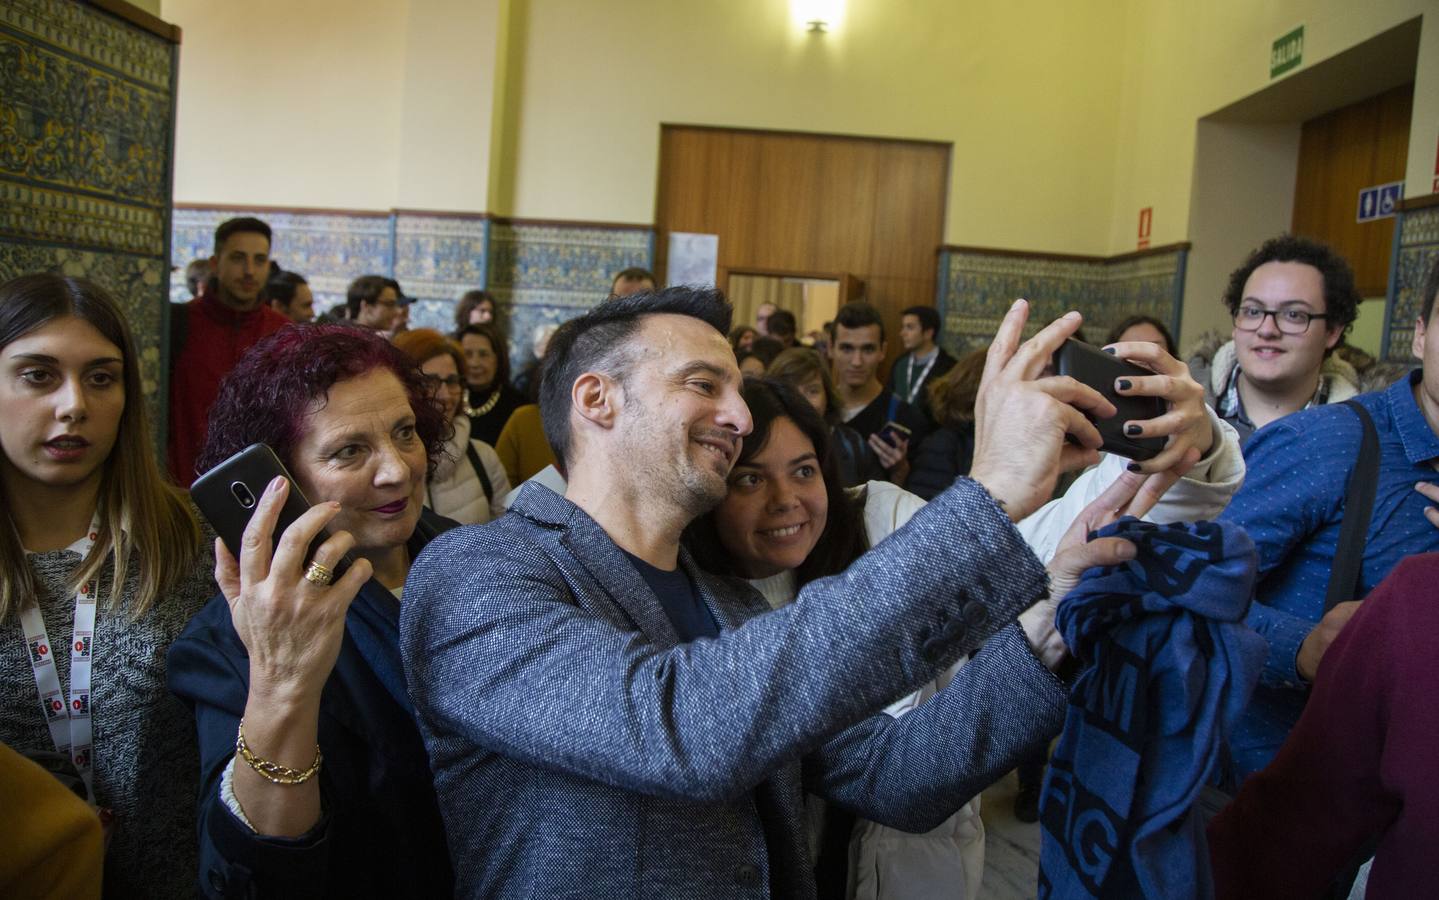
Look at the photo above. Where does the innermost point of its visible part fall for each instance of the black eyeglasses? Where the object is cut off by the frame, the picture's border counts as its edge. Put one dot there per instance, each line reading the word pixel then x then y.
pixel 1288 321
pixel 450 381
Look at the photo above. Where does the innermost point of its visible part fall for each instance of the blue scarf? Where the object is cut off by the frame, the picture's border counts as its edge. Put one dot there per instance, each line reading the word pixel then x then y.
pixel 1168 666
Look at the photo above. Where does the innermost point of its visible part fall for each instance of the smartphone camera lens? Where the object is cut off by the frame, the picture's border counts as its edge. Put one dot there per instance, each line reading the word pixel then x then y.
pixel 242 494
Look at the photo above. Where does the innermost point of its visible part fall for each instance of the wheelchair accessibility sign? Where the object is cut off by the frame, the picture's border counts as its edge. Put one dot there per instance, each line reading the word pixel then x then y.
pixel 1380 201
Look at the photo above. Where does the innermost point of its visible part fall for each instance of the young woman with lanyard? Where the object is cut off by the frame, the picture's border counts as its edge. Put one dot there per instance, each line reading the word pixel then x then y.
pixel 100 568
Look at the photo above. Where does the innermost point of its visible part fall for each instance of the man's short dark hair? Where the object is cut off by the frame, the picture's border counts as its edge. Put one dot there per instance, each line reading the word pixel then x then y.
pixel 782 323
pixel 365 289
pixel 634 273
pixel 281 288
pixel 240 225
pixel 599 341
pixel 928 318
pixel 858 314
pixel 1341 298
pixel 1427 292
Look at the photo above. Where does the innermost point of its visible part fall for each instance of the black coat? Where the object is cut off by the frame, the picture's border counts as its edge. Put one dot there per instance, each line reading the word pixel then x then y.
pixel 941 458
pixel 381 833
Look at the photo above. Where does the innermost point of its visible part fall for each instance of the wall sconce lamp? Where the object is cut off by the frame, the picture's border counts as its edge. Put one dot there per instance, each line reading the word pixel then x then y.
pixel 817 16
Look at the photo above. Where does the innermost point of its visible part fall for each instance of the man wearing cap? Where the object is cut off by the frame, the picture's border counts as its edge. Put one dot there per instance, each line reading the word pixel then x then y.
pixel 374 302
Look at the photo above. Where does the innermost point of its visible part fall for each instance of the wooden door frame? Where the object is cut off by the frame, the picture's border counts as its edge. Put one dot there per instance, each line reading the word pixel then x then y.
pixel 850 286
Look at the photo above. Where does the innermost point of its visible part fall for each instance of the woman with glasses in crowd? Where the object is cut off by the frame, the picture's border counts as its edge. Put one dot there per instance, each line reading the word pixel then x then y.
pixel 469 482
pixel 101 565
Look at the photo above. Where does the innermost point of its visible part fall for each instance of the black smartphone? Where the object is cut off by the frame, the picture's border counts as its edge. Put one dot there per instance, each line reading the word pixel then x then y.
pixel 228 494
pixel 1099 370
pixel 893 432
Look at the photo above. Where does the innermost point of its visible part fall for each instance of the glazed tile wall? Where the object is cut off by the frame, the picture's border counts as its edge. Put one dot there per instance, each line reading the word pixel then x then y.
pixel 438 258
pixel 977 288
pixel 85 144
pixel 1416 251
pixel 329 249
pixel 540 274
pixel 545 274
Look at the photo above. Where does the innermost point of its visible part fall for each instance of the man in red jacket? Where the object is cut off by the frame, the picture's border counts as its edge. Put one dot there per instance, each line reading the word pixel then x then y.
pixel 211 332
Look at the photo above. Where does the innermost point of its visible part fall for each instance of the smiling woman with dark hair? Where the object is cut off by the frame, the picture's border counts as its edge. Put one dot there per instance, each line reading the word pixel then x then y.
pixel 314 779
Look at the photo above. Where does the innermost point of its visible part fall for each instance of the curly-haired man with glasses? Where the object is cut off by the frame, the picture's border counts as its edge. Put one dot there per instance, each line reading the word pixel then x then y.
pixel 1294 499
pixel 1291 301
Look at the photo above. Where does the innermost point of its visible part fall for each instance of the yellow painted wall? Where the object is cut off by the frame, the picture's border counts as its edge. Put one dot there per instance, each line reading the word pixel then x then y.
pixel 1192 59
pixel 1024 90
pixel 451 54
pixel 289 103
pixel 1368 331
pixel 1243 193
pixel 1065 118
pixel 352 104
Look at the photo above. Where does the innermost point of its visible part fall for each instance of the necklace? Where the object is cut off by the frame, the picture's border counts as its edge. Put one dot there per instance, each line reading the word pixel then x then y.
pixel 483 408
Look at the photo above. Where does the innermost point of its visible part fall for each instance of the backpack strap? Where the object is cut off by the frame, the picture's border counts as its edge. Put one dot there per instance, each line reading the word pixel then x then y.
pixel 1358 509
pixel 479 467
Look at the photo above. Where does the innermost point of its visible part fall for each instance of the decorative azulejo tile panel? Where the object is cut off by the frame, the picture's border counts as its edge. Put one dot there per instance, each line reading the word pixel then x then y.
pixel 99 39
pixel 1146 285
pixel 976 289
pixel 85 142
pixel 1417 235
pixel 437 259
pixel 546 274
pixel 329 249
pixel 541 274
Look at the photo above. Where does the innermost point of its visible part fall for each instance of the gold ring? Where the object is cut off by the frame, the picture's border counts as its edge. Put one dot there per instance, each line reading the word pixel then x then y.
pixel 319 574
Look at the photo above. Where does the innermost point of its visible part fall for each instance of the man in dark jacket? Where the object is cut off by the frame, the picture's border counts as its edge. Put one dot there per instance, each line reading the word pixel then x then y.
pixel 923 362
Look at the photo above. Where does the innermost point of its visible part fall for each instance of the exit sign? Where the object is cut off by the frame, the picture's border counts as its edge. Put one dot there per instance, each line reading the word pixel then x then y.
pixel 1286 53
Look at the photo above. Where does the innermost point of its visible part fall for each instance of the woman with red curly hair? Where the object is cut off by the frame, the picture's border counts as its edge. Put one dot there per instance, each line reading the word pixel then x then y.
pixel 314 778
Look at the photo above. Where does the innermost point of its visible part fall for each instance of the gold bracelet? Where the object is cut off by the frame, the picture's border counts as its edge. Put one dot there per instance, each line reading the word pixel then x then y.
pixel 271 771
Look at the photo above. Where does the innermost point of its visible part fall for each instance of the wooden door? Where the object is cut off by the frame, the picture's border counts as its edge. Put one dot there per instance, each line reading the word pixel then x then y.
pixel 786 201
pixel 1340 154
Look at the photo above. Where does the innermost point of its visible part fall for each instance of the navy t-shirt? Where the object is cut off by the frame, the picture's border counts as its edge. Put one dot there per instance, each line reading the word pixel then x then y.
pixel 682 603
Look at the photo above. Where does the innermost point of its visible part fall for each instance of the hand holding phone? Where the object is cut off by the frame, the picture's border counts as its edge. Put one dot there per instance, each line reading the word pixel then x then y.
pixel 290 623
pixel 229 494
pixel 893 433
pixel 1101 371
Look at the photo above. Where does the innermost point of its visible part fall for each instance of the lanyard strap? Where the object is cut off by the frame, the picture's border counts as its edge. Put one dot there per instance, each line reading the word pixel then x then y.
pixel 913 387
pixel 69 719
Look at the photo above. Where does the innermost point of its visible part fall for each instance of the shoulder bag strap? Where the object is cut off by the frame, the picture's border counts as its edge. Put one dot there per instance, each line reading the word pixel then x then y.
pixel 480 471
pixel 1344 581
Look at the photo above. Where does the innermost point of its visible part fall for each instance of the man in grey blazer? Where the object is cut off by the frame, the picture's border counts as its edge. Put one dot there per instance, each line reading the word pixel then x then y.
pixel 606 720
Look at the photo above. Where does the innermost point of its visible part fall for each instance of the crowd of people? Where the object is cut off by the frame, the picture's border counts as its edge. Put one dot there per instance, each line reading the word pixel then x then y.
pixel 687 608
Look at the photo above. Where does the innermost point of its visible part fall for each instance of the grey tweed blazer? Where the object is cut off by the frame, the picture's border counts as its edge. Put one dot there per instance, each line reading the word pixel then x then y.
pixel 581 750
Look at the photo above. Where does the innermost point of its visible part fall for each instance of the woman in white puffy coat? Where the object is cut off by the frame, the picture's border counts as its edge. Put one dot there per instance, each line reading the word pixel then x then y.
pixel 782 512
pixel 469 484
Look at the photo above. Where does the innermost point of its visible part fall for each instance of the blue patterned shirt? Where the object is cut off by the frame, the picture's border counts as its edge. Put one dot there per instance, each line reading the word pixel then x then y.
pixel 1292 504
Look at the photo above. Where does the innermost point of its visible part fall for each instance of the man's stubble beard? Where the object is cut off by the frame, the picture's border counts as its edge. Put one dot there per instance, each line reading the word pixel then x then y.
pixel 687 486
